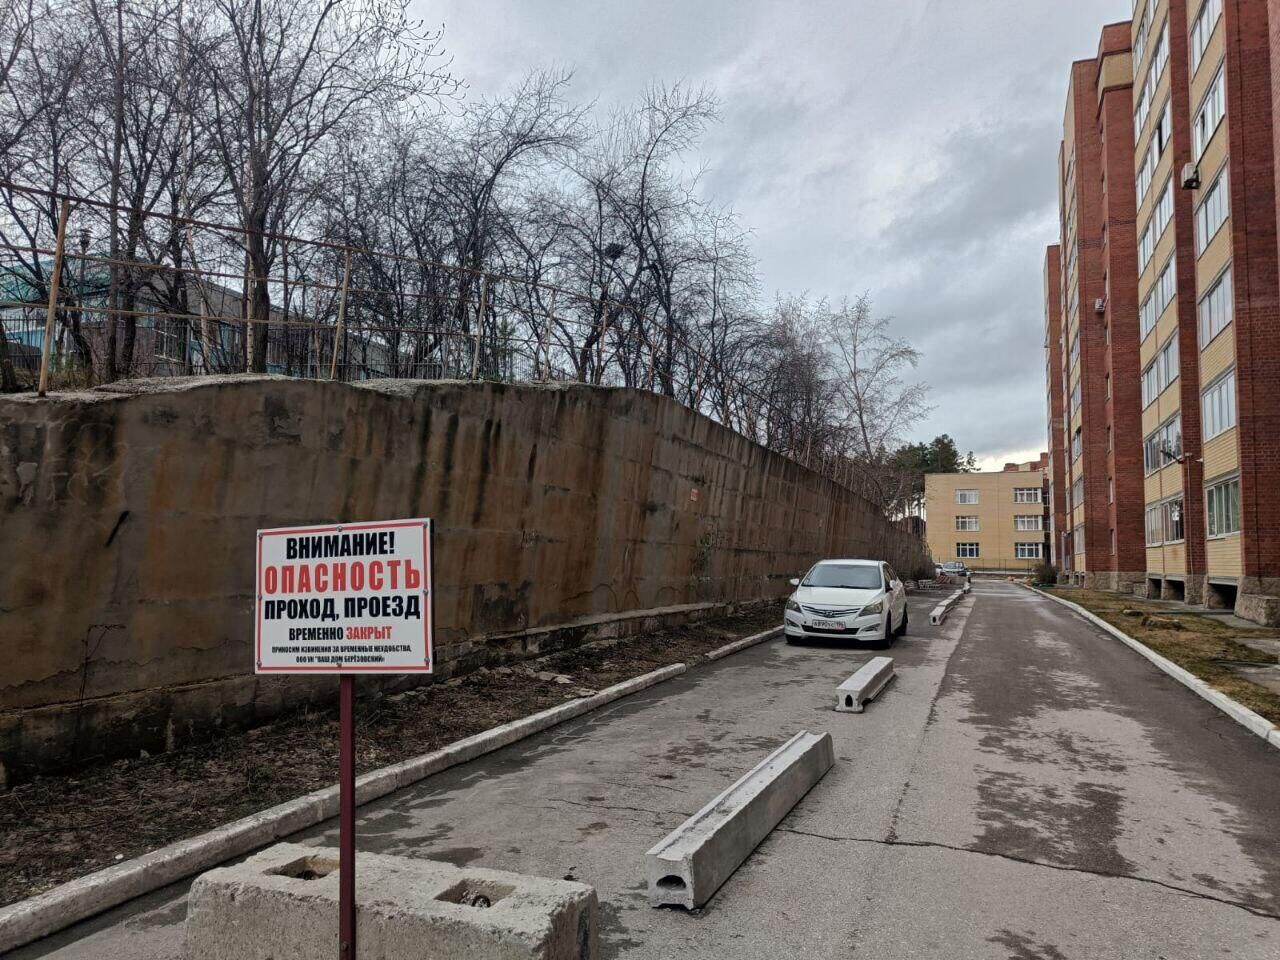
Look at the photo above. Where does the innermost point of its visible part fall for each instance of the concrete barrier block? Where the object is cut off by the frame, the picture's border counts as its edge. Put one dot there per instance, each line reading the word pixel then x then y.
pixel 282 904
pixel 688 866
pixel 863 686
pixel 939 613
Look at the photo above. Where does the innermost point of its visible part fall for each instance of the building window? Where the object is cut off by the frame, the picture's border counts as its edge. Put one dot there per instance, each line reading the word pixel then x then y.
pixel 1113 541
pixel 1075 350
pixel 1028 495
pixel 1160 372
pixel 1212 212
pixel 1077 492
pixel 1077 443
pixel 966 496
pixel 1074 403
pixel 170 340
pixel 966 523
pixel 1077 539
pixel 1163 445
pixel 1161 214
pixel 966 551
pixel 1028 551
pixel 1111 490
pixel 1222 507
pixel 1153 526
pixel 1202 30
pixel 1209 115
pixel 1028 522
pixel 1216 309
pixel 1171 515
pixel 1159 57
pixel 1158 300
pixel 1219 403
pixel 1108 425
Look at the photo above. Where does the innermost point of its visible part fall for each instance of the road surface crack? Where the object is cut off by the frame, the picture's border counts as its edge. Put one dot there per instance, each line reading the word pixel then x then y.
pixel 1062 868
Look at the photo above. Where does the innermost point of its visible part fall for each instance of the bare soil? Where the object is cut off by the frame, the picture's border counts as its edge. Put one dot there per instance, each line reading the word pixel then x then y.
pixel 1205 646
pixel 55 829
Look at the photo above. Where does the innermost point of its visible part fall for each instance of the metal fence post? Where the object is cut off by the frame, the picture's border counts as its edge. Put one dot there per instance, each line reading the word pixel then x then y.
pixel 484 301
pixel 63 214
pixel 342 313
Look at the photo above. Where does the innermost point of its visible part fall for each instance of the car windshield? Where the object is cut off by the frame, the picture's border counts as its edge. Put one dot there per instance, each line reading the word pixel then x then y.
pixel 852 576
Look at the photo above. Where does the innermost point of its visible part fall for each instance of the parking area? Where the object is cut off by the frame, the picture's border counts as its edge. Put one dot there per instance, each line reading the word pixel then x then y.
pixel 1025 787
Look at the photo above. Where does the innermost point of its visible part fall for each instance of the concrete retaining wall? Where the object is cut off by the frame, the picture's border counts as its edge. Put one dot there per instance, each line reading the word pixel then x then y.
pixel 564 514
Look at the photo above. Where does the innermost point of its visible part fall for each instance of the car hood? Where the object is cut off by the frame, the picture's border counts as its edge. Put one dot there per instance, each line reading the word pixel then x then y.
pixel 836 596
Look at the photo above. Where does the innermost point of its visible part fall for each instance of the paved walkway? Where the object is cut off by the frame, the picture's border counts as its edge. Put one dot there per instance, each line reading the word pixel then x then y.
pixel 1027 787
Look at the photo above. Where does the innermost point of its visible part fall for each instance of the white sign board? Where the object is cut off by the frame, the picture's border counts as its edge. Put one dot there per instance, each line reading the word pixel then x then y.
pixel 348 598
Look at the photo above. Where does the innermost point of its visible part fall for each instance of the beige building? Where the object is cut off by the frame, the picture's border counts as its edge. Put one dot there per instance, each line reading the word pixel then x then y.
pixel 990 521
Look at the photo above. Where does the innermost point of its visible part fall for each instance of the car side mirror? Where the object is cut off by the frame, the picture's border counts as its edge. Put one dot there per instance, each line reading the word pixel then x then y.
pixel 795 581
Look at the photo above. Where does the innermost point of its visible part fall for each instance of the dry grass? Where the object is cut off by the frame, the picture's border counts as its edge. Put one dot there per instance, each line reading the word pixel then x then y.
pixel 1204 646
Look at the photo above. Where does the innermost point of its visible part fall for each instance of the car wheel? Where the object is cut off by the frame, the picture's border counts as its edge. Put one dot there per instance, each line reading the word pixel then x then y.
pixel 902 627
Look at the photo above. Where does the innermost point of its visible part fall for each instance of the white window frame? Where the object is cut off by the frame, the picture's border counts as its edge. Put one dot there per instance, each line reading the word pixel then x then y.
pixel 1202 27
pixel 1032 522
pixel 1208 117
pixel 1212 211
pixel 1028 551
pixel 968 524
pixel 968 551
pixel 963 496
pixel 1221 510
pixel 1218 405
pixel 1028 495
pixel 1216 308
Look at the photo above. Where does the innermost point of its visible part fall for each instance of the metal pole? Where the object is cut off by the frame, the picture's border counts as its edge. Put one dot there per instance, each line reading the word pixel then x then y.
pixel 484 300
pixel 63 214
pixel 342 313
pixel 347 819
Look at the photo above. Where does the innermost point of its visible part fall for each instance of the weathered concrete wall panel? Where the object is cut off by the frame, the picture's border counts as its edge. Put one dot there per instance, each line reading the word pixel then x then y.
pixel 127 519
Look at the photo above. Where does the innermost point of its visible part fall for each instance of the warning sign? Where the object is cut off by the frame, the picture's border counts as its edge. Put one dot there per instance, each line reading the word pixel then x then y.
pixel 350 598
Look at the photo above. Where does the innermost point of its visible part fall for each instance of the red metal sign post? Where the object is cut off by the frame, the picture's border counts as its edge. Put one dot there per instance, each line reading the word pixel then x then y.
pixel 345 598
pixel 347 818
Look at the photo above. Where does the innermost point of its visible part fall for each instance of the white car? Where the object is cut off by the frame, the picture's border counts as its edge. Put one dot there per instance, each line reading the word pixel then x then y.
pixel 861 600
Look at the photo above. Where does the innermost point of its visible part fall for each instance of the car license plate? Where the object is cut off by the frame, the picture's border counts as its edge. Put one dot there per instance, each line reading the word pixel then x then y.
pixel 829 624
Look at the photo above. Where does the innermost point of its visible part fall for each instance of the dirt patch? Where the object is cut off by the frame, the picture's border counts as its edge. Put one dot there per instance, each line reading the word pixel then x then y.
pixel 1203 645
pixel 58 828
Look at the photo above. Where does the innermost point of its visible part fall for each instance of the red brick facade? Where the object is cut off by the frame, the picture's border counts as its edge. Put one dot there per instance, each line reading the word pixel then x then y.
pixel 1250 86
pixel 1055 468
pixel 1101 122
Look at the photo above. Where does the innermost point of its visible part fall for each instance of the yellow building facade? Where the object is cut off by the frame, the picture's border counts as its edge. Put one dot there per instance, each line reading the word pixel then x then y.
pixel 995 522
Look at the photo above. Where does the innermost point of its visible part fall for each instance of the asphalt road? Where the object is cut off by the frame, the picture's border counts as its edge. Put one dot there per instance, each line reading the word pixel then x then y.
pixel 1026 788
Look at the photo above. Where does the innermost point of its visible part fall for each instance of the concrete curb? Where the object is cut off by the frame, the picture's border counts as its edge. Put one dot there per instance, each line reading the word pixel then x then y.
pixel 68 903
pixel 938 614
pixel 854 694
pixel 742 644
pixel 688 866
pixel 1238 712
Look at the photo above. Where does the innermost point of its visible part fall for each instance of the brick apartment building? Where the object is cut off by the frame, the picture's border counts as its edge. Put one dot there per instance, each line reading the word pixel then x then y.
pixel 1055 462
pixel 1100 541
pixel 1197 349
pixel 993 522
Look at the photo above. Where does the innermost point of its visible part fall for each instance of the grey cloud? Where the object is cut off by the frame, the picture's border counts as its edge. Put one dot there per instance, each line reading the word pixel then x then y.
pixel 906 148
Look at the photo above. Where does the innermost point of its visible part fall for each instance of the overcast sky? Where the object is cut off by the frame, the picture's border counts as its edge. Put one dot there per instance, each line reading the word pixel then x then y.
pixel 904 148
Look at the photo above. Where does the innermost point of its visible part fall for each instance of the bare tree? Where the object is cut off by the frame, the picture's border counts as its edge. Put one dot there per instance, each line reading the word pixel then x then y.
pixel 282 78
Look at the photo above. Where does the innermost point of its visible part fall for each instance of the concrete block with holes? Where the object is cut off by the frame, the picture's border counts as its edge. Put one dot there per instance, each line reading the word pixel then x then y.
pixel 863 686
pixel 688 866
pixel 283 904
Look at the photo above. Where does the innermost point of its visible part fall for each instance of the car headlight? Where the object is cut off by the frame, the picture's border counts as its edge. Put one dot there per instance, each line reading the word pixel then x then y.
pixel 792 605
pixel 875 607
